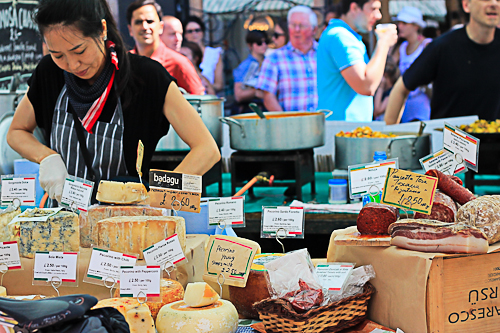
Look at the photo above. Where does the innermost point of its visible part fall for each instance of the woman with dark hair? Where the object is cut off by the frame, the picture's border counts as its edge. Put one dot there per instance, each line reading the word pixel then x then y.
pixel 192 51
pixel 95 101
pixel 211 62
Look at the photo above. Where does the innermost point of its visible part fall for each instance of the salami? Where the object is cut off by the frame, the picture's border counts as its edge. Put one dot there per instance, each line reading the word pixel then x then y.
pixel 444 209
pixel 449 186
pixel 483 213
pixel 375 218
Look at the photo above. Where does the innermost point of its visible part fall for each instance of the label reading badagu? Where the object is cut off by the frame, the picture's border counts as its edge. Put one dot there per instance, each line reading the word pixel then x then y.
pixel 18 187
pixel 459 142
pixel 106 264
pixel 287 221
pixel 55 264
pixel 9 255
pixel 140 281
pixel 334 275
pixel 76 193
pixel 229 211
pixel 166 250
pixel 443 161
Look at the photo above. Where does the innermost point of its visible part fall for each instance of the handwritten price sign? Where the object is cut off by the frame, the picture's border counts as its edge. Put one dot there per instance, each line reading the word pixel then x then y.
pixel 409 190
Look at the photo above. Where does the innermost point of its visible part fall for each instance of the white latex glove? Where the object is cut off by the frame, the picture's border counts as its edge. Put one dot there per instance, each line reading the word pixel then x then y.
pixel 52 175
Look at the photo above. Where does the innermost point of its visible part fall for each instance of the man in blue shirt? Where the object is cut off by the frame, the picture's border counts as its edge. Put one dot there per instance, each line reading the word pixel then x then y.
pixel 347 79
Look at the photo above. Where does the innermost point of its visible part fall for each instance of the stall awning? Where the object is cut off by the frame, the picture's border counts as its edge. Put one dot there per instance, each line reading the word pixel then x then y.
pixel 236 6
pixel 433 8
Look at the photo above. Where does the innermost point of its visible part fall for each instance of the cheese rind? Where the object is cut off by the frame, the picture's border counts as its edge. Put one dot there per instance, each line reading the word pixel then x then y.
pixel 200 294
pixel 121 193
pixel 138 316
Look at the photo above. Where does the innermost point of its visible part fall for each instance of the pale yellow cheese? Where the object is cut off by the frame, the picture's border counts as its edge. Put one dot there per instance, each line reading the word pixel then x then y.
pixel 136 315
pixel 200 294
pixel 220 317
pixel 195 255
pixel 5 218
pixel 132 234
pixel 3 291
pixel 121 193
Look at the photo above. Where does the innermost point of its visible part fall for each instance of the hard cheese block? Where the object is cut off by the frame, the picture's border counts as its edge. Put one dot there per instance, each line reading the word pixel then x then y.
pixel 177 317
pixel 200 294
pixel 95 213
pixel 137 315
pixel 5 218
pixel 121 193
pixel 195 255
pixel 132 234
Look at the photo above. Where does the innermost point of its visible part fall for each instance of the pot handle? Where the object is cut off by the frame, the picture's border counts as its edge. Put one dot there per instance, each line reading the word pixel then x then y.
pixel 198 103
pixel 229 121
pixel 328 113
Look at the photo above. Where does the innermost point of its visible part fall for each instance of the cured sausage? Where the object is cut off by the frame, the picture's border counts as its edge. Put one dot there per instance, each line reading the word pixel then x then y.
pixel 444 209
pixel 375 218
pixel 483 214
pixel 449 186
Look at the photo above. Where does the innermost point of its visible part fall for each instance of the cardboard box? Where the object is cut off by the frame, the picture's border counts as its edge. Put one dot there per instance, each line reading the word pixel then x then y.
pixel 429 292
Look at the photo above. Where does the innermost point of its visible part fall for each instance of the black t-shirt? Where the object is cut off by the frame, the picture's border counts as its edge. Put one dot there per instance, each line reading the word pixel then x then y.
pixel 465 76
pixel 143 117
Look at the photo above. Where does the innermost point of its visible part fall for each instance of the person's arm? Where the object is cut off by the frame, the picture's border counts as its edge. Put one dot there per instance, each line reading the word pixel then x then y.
pixel 379 104
pixel 271 102
pixel 219 75
pixel 188 125
pixel 209 89
pixel 243 94
pixel 396 104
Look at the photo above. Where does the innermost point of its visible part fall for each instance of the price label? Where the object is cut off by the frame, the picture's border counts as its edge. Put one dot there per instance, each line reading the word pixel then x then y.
pixel 444 161
pixel 333 276
pixel 227 211
pixel 140 281
pixel 60 264
pixel 9 255
pixel 175 190
pixel 106 264
pixel 370 177
pixel 20 187
pixel 409 190
pixel 462 144
pixel 140 157
pixel 77 193
pixel 167 250
pixel 288 222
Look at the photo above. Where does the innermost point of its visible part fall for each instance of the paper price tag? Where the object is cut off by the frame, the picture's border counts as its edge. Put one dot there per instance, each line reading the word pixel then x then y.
pixel 175 190
pixel 288 222
pixel 143 280
pixel 409 190
pixel 333 276
pixel 20 187
pixel 229 211
pixel 370 177
pixel 140 157
pixel 77 193
pixel 443 161
pixel 60 264
pixel 167 250
pixel 9 255
pixel 107 264
pixel 462 144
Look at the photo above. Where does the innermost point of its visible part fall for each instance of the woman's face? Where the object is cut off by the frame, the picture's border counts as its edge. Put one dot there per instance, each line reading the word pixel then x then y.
pixel 193 32
pixel 188 53
pixel 279 38
pixel 74 53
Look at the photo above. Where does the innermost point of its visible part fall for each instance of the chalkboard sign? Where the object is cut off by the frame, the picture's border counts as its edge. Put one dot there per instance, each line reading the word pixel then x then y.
pixel 20 44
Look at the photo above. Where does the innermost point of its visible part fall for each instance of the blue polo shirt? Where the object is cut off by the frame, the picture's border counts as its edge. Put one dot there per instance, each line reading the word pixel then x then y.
pixel 339 48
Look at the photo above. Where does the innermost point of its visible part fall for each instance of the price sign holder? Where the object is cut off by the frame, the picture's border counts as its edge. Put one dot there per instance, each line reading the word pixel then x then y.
pixel 230 210
pixel 444 161
pixel 457 141
pixel 409 190
pixel 333 276
pixel 290 219
pixel 363 176
pixel 104 266
pixel 55 269
pixel 77 193
pixel 175 190
pixel 9 256
pixel 140 281
pixel 165 251
pixel 20 187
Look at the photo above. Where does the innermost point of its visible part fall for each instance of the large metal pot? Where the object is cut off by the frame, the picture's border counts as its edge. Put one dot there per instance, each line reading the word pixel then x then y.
pixel 210 108
pixel 279 131
pixel 407 147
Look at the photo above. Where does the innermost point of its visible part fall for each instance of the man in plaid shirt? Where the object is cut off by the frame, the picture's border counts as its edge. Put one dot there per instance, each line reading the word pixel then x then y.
pixel 288 76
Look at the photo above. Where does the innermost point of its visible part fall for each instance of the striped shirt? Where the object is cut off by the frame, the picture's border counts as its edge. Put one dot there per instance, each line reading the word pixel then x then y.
pixel 291 76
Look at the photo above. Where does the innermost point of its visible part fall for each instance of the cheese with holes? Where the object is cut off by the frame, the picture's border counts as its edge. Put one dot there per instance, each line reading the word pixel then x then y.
pixel 195 255
pixel 200 294
pixel 220 317
pixel 132 234
pixel 137 315
pixel 121 193
pixel 96 213
pixel 5 218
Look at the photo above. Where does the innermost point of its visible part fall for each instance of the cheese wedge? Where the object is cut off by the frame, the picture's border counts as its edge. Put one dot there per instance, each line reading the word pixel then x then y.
pixel 136 315
pixel 200 294
pixel 3 291
pixel 121 193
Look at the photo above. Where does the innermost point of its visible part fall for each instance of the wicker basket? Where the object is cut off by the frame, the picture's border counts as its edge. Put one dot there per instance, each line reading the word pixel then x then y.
pixel 279 316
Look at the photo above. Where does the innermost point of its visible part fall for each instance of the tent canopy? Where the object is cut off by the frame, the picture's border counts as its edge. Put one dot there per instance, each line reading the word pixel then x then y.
pixel 433 8
pixel 236 6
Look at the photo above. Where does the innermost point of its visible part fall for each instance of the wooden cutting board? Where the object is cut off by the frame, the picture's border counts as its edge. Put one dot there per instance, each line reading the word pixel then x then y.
pixel 356 239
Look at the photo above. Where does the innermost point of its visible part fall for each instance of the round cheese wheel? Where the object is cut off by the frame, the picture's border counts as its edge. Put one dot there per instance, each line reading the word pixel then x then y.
pixel 255 289
pixel 177 317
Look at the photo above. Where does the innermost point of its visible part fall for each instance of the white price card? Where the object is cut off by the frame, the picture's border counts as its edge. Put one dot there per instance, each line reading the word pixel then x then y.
pixel 55 264
pixel 227 211
pixel 140 281
pixel 166 250
pixel 76 193
pixel 333 276
pixel 9 255
pixel 283 222
pixel 105 264
pixel 444 161
pixel 461 144
pixel 20 187
pixel 369 178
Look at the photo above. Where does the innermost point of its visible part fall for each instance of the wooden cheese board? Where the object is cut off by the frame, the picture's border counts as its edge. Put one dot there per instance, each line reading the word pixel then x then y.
pixel 357 239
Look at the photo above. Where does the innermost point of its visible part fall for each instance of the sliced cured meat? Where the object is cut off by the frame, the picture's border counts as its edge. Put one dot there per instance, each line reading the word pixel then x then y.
pixel 449 186
pixel 436 236
pixel 374 218
pixel 444 209
pixel 483 213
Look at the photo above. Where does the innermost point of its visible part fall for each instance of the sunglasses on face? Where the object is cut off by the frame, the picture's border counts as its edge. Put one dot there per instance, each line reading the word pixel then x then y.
pixel 277 35
pixel 190 31
pixel 259 43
